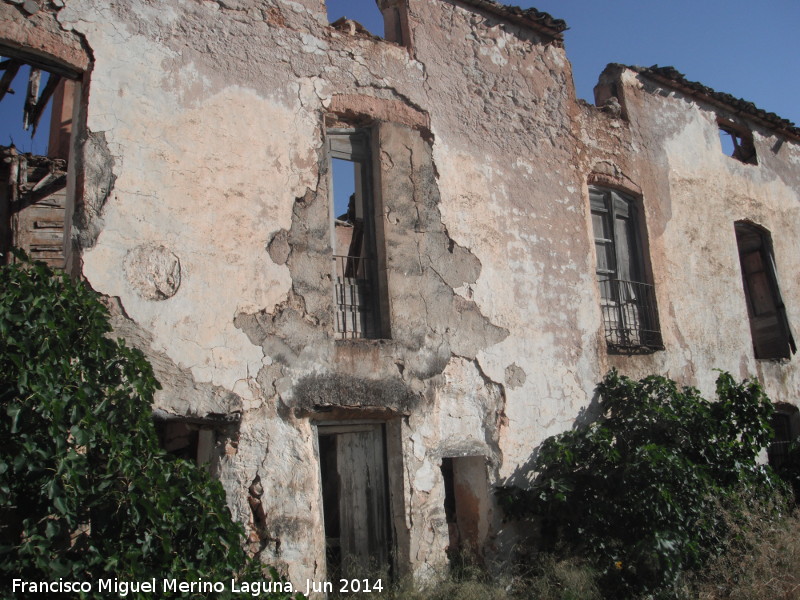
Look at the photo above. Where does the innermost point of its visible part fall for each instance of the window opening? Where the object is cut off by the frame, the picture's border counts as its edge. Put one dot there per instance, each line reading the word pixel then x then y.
pixel 737 143
pixel 354 257
pixel 364 12
pixel 778 450
pixel 199 441
pixel 33 197
pixel 630 318
pixel 769 325
pixel 465 505
pixel 355 500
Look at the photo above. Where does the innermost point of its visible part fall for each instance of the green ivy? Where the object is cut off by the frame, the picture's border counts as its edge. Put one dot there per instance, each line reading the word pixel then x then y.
pixel 642 491
pixel 85 491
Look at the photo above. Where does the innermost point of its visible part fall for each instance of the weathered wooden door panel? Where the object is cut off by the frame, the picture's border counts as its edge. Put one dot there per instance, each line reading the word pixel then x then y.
pixel 358 488
pixel 32 206
pixel 38 229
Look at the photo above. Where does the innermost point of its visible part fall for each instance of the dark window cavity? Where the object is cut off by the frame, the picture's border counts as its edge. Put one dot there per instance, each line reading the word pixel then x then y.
pixel 737 142
pixel 465 505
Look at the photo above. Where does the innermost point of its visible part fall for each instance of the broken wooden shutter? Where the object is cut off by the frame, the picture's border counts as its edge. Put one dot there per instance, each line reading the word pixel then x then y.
pixel 769 325
pixel 604 241
pixel 34 204
pixel 625 239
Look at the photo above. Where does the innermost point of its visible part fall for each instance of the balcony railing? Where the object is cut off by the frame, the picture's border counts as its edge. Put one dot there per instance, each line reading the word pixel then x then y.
pixel 630 318
pixel 354 296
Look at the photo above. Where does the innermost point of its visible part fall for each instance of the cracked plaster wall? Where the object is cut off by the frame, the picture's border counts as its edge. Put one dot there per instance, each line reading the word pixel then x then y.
pixel 692 195
pixel 509 196
pixel 210 235
pixel 210 230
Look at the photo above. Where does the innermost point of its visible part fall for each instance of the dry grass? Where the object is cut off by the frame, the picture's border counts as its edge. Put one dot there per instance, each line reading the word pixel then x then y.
pixel 761 563
pixel 548 579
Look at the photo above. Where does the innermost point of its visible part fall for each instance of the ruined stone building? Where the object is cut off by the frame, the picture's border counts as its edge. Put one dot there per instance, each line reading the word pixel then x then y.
pixel 360 373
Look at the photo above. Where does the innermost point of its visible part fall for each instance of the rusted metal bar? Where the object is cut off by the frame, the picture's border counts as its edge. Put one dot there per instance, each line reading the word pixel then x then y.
pixel 630 318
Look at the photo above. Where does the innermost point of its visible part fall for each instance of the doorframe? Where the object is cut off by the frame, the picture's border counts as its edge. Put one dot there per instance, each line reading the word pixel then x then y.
pixel 394 485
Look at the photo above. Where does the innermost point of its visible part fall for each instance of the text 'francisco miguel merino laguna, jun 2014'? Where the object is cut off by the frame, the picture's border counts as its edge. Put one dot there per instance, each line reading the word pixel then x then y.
pixel 155 586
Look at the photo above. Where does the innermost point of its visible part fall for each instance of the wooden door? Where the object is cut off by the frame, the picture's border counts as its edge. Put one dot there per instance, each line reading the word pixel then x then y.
pixel 355 502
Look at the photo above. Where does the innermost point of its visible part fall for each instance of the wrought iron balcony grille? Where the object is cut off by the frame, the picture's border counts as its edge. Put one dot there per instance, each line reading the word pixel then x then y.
pixel 630 318
pixel 354 297
pixel 778 453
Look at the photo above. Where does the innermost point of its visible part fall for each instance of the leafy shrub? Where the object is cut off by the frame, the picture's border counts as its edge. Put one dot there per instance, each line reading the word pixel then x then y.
pixel 85 491
pixel 639 491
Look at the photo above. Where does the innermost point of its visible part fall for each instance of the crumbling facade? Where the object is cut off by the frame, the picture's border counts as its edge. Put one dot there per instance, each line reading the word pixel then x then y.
pixel 359 374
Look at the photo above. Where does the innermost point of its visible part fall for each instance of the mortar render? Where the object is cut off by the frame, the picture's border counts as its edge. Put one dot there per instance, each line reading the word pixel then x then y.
pixel 197 179
pixel 512 202
pixel 207 225
pixel 693 193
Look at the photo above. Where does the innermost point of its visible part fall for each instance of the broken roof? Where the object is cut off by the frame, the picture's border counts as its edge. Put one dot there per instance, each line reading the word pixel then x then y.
pixel 675 79
pixel 529 17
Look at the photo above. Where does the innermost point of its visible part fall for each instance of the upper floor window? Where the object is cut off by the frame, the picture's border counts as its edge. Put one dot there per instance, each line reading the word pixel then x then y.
pixel 34 208
pixel 737 142
pixel 769 326
pixel 355 269
pixel 630 318
pixel 365 12
pixel 383 18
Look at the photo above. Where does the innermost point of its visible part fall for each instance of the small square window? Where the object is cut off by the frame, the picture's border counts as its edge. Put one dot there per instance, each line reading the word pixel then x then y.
pixel 387 19
pixel 363 12
pixel 737 142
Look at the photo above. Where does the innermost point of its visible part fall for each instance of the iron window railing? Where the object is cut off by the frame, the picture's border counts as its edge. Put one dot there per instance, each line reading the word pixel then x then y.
pixel 778 453
pixel 354 296
pixel 630 318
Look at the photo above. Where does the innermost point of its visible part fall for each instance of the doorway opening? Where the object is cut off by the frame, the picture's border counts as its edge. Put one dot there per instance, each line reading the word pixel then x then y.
pixel 465 506
pixel 355 500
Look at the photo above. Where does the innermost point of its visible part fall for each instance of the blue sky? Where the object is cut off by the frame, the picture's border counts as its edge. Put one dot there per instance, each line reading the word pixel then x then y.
pixel 746 48
pixel 11 108
pixel 750 49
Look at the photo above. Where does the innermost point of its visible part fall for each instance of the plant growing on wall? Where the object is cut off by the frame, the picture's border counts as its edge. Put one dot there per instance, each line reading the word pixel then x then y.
pixel 641 491
pixel 85 492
